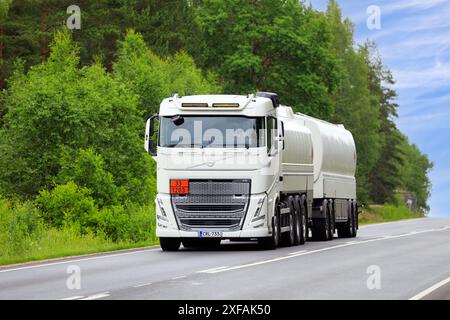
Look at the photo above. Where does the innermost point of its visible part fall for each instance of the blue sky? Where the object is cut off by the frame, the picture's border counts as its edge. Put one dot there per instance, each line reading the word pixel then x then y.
pixel 414 42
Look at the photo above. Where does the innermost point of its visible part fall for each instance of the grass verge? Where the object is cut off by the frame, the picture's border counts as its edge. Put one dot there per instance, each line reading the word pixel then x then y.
pixel 25 236
pixel 387 213
pixel 60 243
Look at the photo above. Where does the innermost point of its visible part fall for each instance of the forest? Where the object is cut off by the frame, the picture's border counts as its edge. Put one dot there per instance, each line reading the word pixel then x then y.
pixel 74 101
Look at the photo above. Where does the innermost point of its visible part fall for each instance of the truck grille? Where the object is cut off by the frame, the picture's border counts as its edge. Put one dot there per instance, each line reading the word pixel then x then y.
pixel 217 204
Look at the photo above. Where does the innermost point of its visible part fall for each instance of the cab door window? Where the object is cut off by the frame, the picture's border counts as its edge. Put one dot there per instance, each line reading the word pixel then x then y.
pixel 272 131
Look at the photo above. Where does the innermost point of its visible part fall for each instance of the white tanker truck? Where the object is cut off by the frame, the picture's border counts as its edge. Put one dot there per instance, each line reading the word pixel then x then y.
pixel 247 168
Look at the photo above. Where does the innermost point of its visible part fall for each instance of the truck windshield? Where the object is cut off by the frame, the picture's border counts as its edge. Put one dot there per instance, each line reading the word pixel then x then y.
pixel 211 132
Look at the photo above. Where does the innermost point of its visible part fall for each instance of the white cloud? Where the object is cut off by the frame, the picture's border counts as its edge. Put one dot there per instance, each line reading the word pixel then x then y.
pixel 395 6
pixel 412 103
pixel 424 122
pixel 388 7
pixel 432 77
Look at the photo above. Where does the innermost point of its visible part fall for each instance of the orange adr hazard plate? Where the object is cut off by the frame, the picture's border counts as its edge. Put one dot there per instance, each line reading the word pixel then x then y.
pixel 179 186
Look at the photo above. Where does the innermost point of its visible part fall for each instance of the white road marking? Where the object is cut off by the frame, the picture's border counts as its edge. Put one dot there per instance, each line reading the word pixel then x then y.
pixel 97 296
pixel 179 277
pixel 426 292
pixel 142 285
pixel 212 269
pixel 297 252
pixel 73 298
pixel 77 260
pixel 304 252
pixel 252 264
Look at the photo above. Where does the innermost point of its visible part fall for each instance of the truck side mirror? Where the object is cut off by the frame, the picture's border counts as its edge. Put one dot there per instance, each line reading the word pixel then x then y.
pixel 150 144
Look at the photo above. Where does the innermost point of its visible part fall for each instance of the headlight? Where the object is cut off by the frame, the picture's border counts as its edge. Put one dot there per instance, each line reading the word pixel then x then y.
pixel 163 215
pixel 257 216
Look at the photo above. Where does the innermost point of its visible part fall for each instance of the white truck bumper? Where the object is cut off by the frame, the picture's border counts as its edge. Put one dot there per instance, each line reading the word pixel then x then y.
pixel 255 224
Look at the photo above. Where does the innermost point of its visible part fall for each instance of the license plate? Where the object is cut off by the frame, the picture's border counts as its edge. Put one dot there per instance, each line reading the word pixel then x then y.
pixel 210 234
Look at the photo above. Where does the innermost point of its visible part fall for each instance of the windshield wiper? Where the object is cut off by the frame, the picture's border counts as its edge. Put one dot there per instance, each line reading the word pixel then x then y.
pixel 182 145
pixel 209 142
pixel 170 145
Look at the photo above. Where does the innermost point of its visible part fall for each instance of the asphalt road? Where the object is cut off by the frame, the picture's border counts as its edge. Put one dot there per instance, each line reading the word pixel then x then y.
pixel 399 260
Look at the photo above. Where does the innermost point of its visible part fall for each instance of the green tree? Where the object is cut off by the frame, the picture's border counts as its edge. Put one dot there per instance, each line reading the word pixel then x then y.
pixel 66 204
pixel 87 169
pixel 153 78
pixel 279 46
pixel 28 29
pixel 167 26
pixel 384 176
pixel 4 8
pixel 56 107
pixel 354 104
pixel 414 174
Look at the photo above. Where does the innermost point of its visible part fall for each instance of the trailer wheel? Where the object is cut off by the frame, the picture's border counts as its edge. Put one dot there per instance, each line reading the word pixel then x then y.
pixel 355 220
pixel 272 242
pixel 169 244
pixel 297 221
pixel 347 229
pixel 303 223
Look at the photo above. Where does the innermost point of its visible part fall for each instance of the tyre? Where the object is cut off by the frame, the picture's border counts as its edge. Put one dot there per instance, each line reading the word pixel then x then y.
pixel 169 244
pixel 355 220
pixel 272 242
pixel 347 229
pixel 303 223
pixel 297 221
pixel 289 236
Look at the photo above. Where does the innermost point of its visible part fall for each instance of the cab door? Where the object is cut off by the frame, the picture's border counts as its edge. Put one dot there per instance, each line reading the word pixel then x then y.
pixel 274 147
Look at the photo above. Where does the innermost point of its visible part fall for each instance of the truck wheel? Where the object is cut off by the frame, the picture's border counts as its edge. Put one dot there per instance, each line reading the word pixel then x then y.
pixel 355 220
pixel 169 244
pixel 346 230
pixel 289 237
pixel 297 221
pixel 272 242
pixel 303 226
